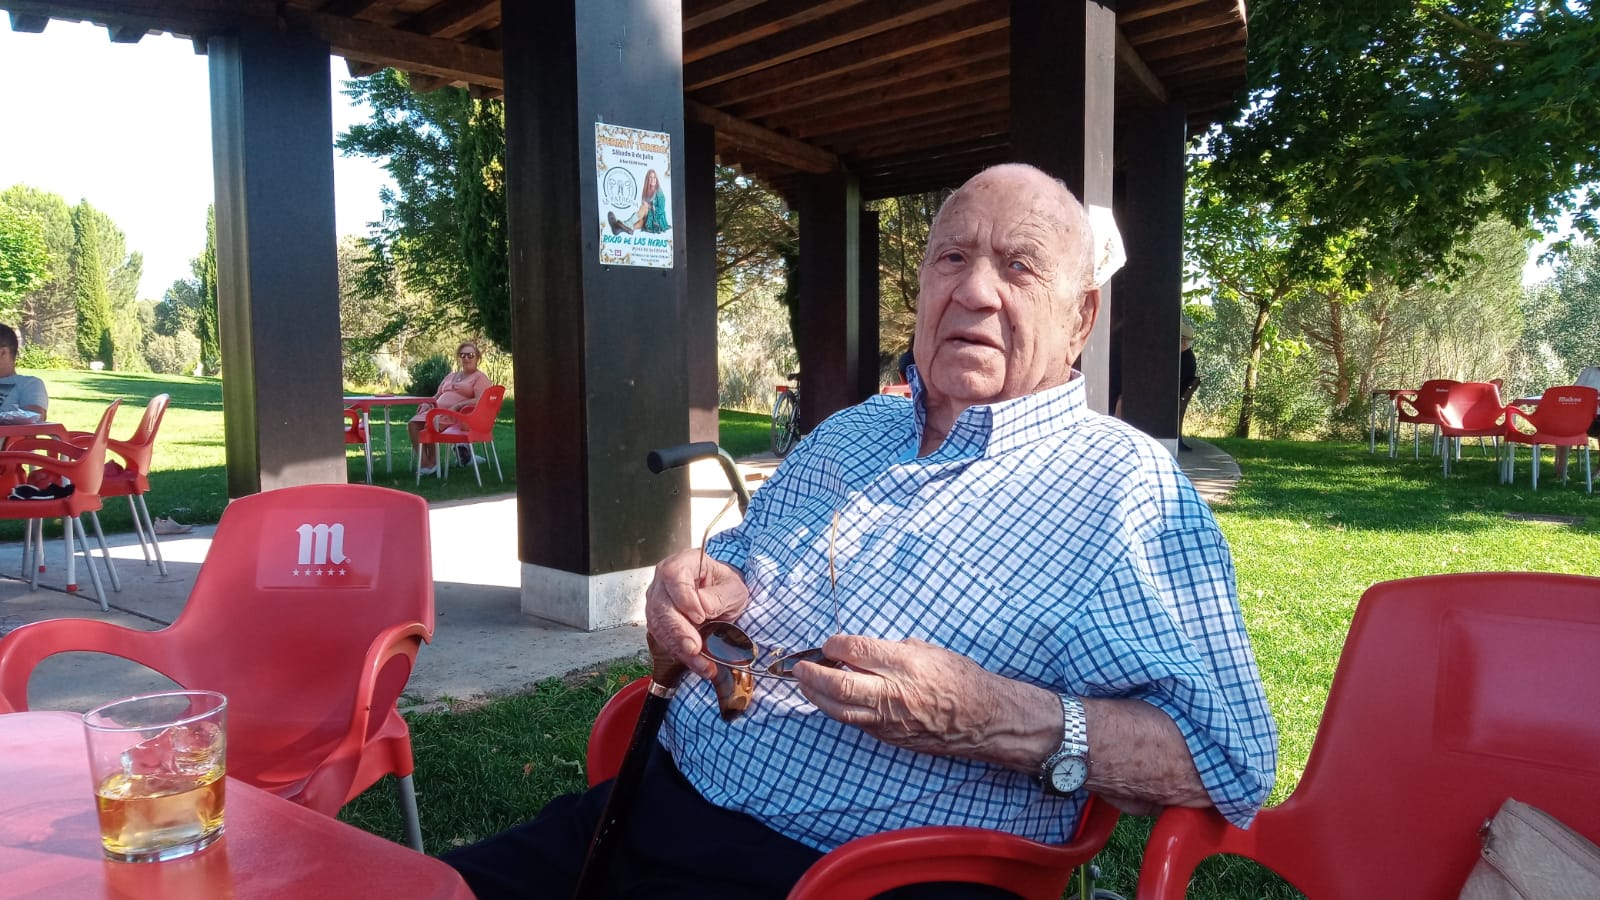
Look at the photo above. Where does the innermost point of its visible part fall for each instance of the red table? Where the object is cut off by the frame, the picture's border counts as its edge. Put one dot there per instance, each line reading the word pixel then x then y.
pixel 270 848
pixel 365 403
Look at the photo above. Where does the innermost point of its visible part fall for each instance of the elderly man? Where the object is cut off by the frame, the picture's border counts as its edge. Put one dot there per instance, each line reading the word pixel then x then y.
pixel 1030 602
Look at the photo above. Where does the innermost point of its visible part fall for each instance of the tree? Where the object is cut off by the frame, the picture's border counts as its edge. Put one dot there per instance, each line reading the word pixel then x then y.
pixel 443 231
pixel 46 316
pixel 903 226
pixel 92 299
pixel 205 322
pixel 1401 124
pixel 1245 255
pixel 1562 334
pixel 24 258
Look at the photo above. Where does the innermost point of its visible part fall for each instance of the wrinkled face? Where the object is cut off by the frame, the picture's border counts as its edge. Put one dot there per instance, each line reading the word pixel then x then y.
pixel 1002 311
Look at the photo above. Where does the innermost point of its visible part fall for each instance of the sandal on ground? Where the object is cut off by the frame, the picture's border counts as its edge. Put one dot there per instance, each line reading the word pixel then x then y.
pixel 169 525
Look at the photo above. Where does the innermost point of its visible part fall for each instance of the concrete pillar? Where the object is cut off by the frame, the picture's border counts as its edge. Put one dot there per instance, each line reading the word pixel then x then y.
pixel 277 265
pixel 600 346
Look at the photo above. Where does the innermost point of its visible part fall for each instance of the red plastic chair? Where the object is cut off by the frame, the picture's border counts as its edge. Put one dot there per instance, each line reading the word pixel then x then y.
pixel 132 478
pixel 1453 693
pixel 470 426
pixel 1418 408
pixel 85 468
pixel 868 866
pixel 1561 419
pixel 356 431
pixel 1470 409
pixel 307 614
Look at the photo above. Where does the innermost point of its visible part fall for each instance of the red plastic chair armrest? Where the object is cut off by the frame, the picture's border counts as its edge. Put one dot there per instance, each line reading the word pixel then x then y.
pixel 430 422
pixel 22 650
pixel 48 463
pixel 868 866
pixel 1181 838
pixel 612 731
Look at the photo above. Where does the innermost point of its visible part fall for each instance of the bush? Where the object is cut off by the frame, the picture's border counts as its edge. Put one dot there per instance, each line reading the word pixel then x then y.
pixel 42 358
pixel 361 371
pixel 426 375
pixel 172 354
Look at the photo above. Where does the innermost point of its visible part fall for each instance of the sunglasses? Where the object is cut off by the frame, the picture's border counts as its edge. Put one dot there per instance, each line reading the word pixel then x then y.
pixel 729 645
pixel 466 356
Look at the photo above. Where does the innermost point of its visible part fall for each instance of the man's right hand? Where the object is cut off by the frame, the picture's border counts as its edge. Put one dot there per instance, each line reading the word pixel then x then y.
pixel 683 596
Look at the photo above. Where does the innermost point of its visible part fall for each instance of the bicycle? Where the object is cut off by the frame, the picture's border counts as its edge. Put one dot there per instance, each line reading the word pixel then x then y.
pixel 786 416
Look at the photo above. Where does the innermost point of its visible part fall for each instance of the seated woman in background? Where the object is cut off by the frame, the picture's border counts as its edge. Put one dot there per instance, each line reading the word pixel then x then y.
pixel 458 390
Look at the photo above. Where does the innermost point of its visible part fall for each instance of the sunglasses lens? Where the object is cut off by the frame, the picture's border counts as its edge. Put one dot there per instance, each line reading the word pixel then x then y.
pixel 727 643
pixel 784 668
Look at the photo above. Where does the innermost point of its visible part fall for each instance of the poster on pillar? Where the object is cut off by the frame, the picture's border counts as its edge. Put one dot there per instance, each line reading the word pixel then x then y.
pixel 635 172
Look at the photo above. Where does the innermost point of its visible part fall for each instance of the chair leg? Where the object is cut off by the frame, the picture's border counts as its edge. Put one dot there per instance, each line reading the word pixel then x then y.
pixel 38 551
pixel 88 563
pixel 1536 467
pixel 72 565
pixel 105 552
pixel 138 529
pixel 475 473
pixel 407 791
pixel 495 454
pixel 150 525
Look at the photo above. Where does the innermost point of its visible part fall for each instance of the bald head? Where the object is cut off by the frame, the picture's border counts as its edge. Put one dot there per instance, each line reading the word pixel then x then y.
pixel 1052 201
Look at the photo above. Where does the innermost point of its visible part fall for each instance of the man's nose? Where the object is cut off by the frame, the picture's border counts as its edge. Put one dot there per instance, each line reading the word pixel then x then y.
pixel 979 285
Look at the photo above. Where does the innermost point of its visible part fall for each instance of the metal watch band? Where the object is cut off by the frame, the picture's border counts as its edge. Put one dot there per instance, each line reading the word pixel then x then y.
pixel 1074 726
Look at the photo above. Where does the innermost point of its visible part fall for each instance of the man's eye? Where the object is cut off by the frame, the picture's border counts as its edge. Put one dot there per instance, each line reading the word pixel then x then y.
pixel 1017 265
pixel 953 256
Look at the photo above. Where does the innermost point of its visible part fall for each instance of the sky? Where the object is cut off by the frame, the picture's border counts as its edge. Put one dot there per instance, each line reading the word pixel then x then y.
pixel 128 128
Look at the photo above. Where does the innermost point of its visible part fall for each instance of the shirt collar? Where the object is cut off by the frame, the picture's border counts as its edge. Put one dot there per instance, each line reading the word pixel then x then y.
pixel 994 428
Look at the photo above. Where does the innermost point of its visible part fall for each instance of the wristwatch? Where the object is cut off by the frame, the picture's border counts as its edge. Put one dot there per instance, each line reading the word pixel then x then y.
pixel 1065 771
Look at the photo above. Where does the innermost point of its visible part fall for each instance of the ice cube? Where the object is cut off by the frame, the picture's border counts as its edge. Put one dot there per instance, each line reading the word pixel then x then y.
pixel 197 747
pixel 151 756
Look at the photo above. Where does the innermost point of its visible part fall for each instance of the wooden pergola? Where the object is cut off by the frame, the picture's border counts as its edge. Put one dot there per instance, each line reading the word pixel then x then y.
pixel 830 102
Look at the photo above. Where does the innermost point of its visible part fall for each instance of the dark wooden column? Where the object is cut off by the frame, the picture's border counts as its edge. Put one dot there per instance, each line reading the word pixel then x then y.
pixel 600 364
pixel 830 283
pixel 1150 288
pixel 277 267
pixel 700 307
pixel 867 335
pixel 1062 70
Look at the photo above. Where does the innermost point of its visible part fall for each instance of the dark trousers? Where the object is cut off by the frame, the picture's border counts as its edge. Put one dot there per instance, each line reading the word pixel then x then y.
pixel 674 845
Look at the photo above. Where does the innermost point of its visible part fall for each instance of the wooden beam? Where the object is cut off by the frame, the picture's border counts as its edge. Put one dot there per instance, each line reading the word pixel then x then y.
pixel 28 24
pixel 890 149
pixel 453 18
pixel 758 22
pixel 360 68
pixel 1136 11
pixel 992 48
pixel 814 37
pixel 345 37
pixel 698 13
pixel 898 109
pixel 762 141
pixel 346 7
pixel 1186 24
pixel 1129 64
pixel 1210 40
pixel 912 40
pixel 872 94
pixel 424 83
pixel 129 34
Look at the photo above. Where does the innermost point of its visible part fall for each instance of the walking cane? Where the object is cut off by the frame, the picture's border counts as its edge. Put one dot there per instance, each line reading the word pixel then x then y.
pixel 665 674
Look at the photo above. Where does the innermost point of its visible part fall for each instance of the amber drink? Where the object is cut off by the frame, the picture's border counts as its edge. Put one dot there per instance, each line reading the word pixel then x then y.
pixel 159 762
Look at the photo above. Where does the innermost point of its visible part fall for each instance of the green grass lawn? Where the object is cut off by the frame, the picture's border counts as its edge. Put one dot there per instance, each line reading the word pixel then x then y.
pixel 1311 525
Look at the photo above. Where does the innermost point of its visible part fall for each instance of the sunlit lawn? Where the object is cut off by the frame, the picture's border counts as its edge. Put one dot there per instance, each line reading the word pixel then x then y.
pixel 1312 525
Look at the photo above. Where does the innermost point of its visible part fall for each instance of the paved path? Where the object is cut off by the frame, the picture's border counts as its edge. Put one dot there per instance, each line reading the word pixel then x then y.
pixel 483 645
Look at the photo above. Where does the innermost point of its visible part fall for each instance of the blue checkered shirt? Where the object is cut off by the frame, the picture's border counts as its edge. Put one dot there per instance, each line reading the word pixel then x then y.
pixel 1049 543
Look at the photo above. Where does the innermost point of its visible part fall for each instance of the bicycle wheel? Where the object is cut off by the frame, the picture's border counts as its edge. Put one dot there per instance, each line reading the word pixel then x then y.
pixel 785 424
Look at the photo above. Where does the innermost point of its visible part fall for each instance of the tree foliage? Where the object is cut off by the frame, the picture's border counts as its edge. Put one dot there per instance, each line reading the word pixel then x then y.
pixel 91 296
pixel 443 231
pixel 1562 334
pixel 205 321
pixel 903 226
pixel 24 257
pixel 1403 124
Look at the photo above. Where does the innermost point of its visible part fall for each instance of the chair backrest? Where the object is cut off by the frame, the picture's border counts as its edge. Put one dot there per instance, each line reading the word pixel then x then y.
pixel 480 421
pixel 298 584
pixel 1471 405
pixel 90 468
pixel 1453 692
pixel 1565 411
pixel 1424 407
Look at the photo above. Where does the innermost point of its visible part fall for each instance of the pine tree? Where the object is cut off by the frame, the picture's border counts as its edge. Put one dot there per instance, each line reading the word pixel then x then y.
pixel 205 327
pixel 90 295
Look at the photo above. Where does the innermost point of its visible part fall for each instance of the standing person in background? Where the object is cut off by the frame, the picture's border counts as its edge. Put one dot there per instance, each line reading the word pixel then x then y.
pixel 1188 379
pixel 458 390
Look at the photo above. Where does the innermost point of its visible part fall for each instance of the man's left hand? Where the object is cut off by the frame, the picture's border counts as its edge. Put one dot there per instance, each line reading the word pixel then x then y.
pixel 916 695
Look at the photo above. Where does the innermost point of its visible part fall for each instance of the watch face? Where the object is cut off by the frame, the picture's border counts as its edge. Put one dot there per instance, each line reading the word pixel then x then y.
pixel 1068 774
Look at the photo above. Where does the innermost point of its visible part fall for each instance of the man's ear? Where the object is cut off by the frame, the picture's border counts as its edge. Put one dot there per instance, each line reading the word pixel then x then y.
pixel 1088 311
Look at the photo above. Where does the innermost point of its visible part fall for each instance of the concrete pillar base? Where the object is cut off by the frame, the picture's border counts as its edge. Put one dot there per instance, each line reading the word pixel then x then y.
pixel 589 602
